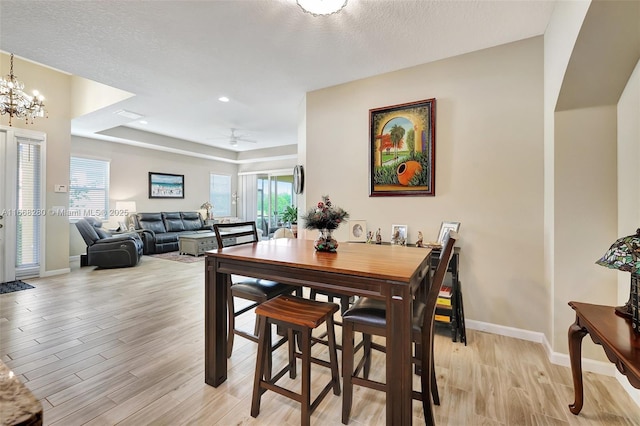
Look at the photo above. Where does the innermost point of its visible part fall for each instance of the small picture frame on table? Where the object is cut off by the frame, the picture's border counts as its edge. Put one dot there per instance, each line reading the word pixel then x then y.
pixel 358 231
pixel 446 227
pixel 399 234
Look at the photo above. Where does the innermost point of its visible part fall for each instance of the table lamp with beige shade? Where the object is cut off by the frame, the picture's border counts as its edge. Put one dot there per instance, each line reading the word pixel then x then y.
pixel 128 208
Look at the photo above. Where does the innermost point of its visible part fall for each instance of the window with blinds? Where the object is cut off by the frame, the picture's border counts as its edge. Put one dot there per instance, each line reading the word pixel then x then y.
pixel 28 201
pixel 88 188
pixel 220 194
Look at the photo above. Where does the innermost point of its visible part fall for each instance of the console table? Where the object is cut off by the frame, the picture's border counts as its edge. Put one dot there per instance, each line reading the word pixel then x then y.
pixel 614 333
pixel 454 312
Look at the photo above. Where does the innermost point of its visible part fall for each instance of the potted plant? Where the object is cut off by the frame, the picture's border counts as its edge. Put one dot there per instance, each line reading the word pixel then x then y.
pixel 325 218
pixel 290 215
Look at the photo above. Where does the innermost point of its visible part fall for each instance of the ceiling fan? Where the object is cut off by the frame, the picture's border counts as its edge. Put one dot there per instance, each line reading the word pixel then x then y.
pixel 234 139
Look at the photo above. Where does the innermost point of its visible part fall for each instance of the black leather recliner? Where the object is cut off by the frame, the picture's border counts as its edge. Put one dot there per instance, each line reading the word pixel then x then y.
pixel 109 251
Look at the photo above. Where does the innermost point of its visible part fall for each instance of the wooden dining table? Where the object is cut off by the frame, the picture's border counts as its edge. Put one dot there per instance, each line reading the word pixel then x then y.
pixel 391 273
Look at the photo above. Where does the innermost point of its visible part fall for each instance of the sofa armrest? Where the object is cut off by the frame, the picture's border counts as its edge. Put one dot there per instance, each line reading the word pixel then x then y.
pixel 118 238
pixel 148 241
pixel 106 245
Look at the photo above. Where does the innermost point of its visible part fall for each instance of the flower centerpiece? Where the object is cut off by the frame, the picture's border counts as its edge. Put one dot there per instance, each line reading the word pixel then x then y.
pixel 325 218
pixel 207 206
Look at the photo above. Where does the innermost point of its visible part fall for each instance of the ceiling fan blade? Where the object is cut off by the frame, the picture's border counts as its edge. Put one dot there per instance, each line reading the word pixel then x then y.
pixel 233 138
pixel 241 139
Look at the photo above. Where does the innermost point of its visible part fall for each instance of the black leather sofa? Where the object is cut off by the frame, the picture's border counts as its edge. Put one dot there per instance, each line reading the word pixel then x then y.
pixel 106 250
pixel 160 231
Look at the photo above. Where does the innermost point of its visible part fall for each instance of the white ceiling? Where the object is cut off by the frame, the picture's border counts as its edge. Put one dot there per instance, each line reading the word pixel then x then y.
pixel 179 56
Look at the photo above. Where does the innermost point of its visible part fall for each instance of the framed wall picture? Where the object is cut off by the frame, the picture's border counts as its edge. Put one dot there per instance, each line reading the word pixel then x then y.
pixel 399 234
pixel 446 227
pixel 358 231
pixel 402 155
pixel 165 185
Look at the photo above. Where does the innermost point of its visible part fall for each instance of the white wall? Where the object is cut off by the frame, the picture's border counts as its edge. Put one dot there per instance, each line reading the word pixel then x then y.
pixel 583 195
pixel 585 214
pixel 628 179
pixel 629 162
pixel 89 96
pixel 489 169
pixel 559 39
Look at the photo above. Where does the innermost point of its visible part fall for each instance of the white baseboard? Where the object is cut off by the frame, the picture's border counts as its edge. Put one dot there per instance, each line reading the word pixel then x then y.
pixel 502 330
pixel 593 366
pixel 56 272
pixel 599 367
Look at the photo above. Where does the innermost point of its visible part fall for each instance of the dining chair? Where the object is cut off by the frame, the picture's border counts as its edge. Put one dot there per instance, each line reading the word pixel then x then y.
pixel 255 290
pixel 283 233
pixel 368 316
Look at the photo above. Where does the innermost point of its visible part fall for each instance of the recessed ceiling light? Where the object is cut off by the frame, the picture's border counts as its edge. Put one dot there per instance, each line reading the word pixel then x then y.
pixel 143 122
pixel 223 99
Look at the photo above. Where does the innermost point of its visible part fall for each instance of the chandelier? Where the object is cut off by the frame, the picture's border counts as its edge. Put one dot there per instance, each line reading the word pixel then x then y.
pixel 322 7
pixel 16 103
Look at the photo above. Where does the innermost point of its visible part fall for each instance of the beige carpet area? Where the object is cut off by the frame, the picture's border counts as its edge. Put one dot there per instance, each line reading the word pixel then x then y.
pixel 176 256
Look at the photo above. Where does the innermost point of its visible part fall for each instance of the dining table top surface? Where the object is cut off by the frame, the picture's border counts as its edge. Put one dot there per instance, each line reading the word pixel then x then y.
pixel 395 262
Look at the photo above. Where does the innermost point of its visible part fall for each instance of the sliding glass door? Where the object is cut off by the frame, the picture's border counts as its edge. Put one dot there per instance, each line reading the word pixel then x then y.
pixel 275 193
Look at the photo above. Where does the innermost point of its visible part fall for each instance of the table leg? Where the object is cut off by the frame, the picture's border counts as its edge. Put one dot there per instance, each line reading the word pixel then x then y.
pixel 215 325
pixel 576 333
pixel 399 367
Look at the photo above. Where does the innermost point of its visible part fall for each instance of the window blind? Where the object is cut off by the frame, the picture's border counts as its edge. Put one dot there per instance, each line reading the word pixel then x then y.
pixel 30 208
pixel 220 194
pixel 88 188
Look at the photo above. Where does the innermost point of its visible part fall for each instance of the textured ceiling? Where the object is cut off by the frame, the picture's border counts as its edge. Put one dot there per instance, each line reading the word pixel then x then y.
pixel 178 57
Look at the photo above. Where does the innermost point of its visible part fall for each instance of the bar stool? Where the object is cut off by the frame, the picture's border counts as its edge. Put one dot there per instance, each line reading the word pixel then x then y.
pixel 301 316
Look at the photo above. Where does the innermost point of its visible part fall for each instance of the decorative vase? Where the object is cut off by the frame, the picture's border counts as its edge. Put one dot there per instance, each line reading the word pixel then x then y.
pixel 325 241
pixel 407 170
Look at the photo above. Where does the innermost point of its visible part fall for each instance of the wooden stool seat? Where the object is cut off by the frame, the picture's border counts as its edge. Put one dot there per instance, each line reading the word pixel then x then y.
pixel 299 316
pixel 298 311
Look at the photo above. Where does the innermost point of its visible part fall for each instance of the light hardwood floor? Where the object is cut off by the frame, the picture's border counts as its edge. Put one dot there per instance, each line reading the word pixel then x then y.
pixel 125 346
